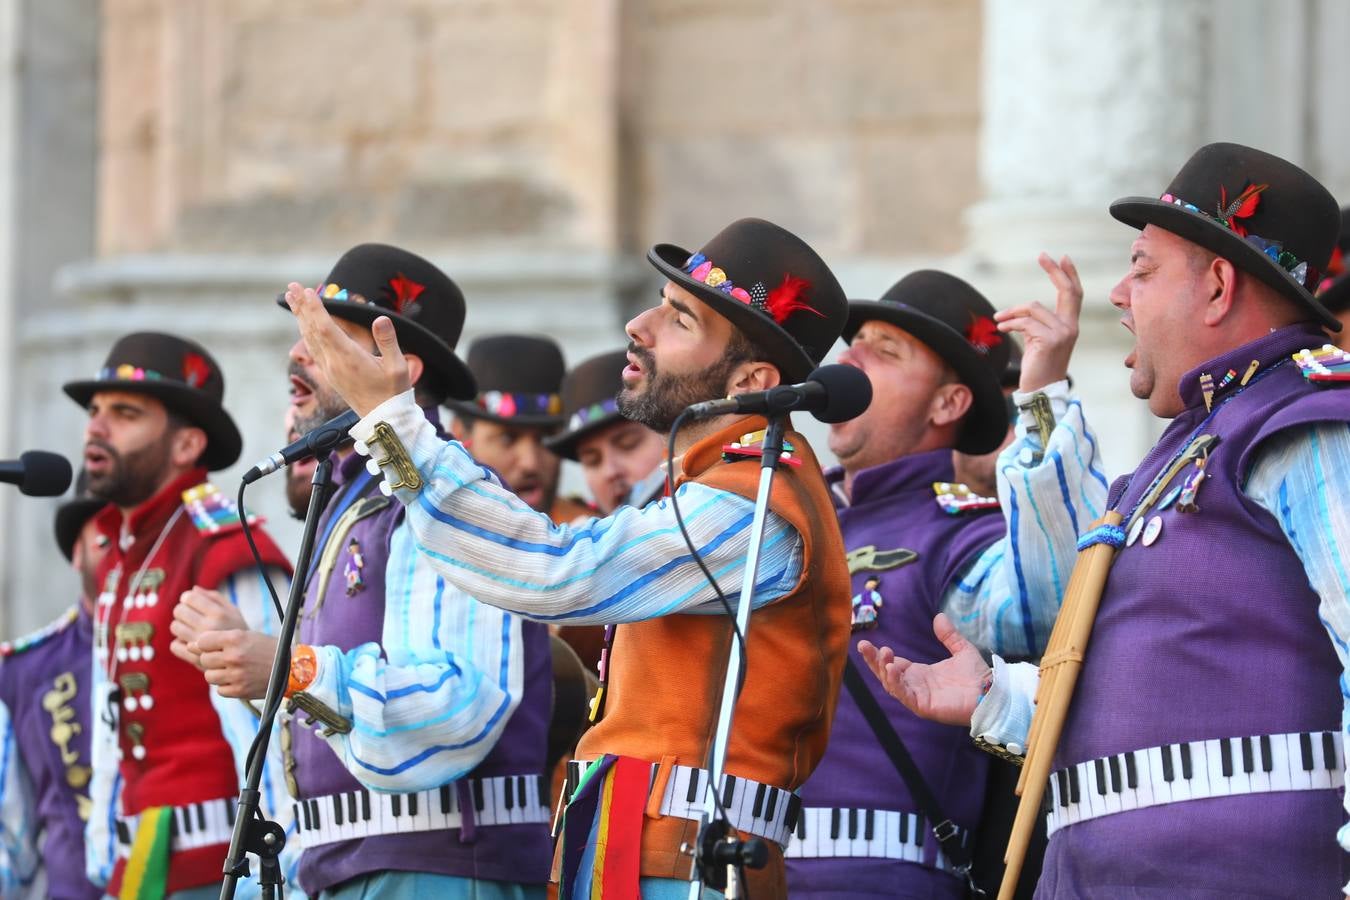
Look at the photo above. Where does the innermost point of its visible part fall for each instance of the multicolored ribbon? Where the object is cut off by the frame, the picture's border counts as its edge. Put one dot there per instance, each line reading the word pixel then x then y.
pixel 146 876
pixel 602 830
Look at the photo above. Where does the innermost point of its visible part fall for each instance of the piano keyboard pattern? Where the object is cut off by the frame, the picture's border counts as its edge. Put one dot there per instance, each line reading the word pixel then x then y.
pixel 752 807
pixel 503 800
pixel 1306 761
pixel 192 826
pixel 825 832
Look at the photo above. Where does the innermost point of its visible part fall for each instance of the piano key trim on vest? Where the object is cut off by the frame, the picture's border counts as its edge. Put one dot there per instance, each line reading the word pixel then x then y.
pixel 1301 761
pixel 351 815
pixel 759 809
pixel 192 826
pixel 832 833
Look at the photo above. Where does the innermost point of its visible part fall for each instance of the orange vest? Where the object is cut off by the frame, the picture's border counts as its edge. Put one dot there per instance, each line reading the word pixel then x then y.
pixel 666 674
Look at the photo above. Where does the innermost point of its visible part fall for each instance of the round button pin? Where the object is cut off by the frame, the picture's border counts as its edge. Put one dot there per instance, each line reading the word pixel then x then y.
pixel 1152 530
pixel 1135 529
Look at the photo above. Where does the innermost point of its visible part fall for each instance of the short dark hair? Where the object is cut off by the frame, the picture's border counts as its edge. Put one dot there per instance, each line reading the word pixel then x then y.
pixel 175 421
pixel 743 348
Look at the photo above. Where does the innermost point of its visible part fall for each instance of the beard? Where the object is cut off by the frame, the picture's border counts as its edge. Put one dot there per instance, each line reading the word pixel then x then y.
pixel 133 478
pixel 668 395
pixel 298 489
pixel 327 402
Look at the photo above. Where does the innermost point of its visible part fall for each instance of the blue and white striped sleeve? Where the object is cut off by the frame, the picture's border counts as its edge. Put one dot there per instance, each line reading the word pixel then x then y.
pixel 20 862
pixel 630 566
pixel 1302 477
pixel 239 721
pixel 428 703
pixel 1007 599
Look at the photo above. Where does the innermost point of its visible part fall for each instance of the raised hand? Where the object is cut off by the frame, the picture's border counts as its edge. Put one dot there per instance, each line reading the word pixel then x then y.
pixel 945 691
pixel 1048 336
pixel 363 379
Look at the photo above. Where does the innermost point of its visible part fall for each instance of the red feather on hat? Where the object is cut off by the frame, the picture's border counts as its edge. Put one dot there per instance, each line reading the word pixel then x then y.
pixel 195 370
pixel 1242 206
pixel 786 299
pixel 406 291
pixel 983 334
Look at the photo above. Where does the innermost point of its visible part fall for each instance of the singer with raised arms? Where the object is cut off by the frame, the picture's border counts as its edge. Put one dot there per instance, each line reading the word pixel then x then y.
pixel 755 307
pixel 400 682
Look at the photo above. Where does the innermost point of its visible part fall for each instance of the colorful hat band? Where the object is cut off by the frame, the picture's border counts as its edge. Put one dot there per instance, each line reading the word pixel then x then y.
pixel 402 294
pixel 332 291
pixel 1230 216
pixel 127 372
pixel 778 303
pixel 593 413
pixel 507 405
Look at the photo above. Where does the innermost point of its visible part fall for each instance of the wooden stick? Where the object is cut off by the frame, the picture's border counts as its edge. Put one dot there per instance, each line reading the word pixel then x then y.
pixel 1059 674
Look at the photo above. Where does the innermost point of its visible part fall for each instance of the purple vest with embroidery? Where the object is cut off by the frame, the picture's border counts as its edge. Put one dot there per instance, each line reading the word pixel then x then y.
pixel 512 853
pixel 894 511
pixel 45 686
pixel 1210 632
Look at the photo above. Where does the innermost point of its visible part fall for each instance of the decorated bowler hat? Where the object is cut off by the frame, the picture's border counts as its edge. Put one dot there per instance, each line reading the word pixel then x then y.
pixel 1334 291
pixel 1266 216
pixel 770 285
pixel 519 376
pixel 957 323
pixel 426 307
pixel 181 375
pixel 590 400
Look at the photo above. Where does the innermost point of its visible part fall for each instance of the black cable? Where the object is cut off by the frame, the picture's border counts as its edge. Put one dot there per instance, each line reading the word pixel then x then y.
pixel 276 603
pixel 717 588
pixel 257 557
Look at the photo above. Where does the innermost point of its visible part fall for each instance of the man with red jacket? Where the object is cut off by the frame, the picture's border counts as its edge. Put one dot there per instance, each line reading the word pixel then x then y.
pixel 156 426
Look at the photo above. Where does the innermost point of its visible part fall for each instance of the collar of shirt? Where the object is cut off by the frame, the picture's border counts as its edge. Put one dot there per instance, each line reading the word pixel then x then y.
pixel 917 471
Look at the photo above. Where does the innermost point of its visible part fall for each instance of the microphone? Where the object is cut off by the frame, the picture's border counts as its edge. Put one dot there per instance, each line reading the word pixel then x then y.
pixel 325 437
pixel 830 393
pixel 37 473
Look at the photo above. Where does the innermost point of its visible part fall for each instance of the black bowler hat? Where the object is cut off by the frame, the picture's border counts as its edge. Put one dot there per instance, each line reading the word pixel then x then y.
pixel 1263 214
pixel 181 375
pixel 426 307
pixel 957 323
pixel 770 285
pixel 1334 291
pixel 519 376
pixel 73 515
pixel 589 395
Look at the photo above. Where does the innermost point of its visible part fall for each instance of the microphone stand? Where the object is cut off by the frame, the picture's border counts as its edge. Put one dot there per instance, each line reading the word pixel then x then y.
pixel 720 853
pixel 252 832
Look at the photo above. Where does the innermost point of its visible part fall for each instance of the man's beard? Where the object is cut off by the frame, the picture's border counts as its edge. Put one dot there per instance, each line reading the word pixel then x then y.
pixel 131 479
pixel 667 396
pixel 298 489
pixel 327 403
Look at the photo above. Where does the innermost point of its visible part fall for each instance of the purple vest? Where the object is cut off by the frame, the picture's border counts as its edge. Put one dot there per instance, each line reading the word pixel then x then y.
pixel 894 508
pixel 1211 632
pixel 45 686
pixel 514 853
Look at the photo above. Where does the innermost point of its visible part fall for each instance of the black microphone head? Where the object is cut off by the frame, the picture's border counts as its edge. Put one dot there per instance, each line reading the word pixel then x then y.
pixel 848 391
pixel 44 474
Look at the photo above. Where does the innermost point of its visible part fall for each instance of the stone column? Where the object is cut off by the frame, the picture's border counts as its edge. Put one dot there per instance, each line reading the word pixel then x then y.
pixel 1084 102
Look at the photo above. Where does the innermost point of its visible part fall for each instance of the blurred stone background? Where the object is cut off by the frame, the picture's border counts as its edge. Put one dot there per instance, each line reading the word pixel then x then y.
pixel 171 164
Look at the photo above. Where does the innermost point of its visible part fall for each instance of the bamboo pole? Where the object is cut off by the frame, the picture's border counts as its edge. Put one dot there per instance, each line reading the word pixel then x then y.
pixel 1060 666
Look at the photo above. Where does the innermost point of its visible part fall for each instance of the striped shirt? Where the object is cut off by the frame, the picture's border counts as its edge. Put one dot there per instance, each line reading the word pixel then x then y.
pixel 427 703
pixel 1302 478
pixel 630 566
pixel 1003 602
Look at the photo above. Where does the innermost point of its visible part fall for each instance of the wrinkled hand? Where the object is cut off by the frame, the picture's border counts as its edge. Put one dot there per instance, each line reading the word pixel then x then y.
pixel 362 379
pixel 1048 337
pixel 237 662
pixel 944 692
pixel 198 611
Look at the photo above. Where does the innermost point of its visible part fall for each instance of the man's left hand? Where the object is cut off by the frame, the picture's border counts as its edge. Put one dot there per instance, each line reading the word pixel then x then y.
pixel 1048 335
pixel 237 662
pixel 362 379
